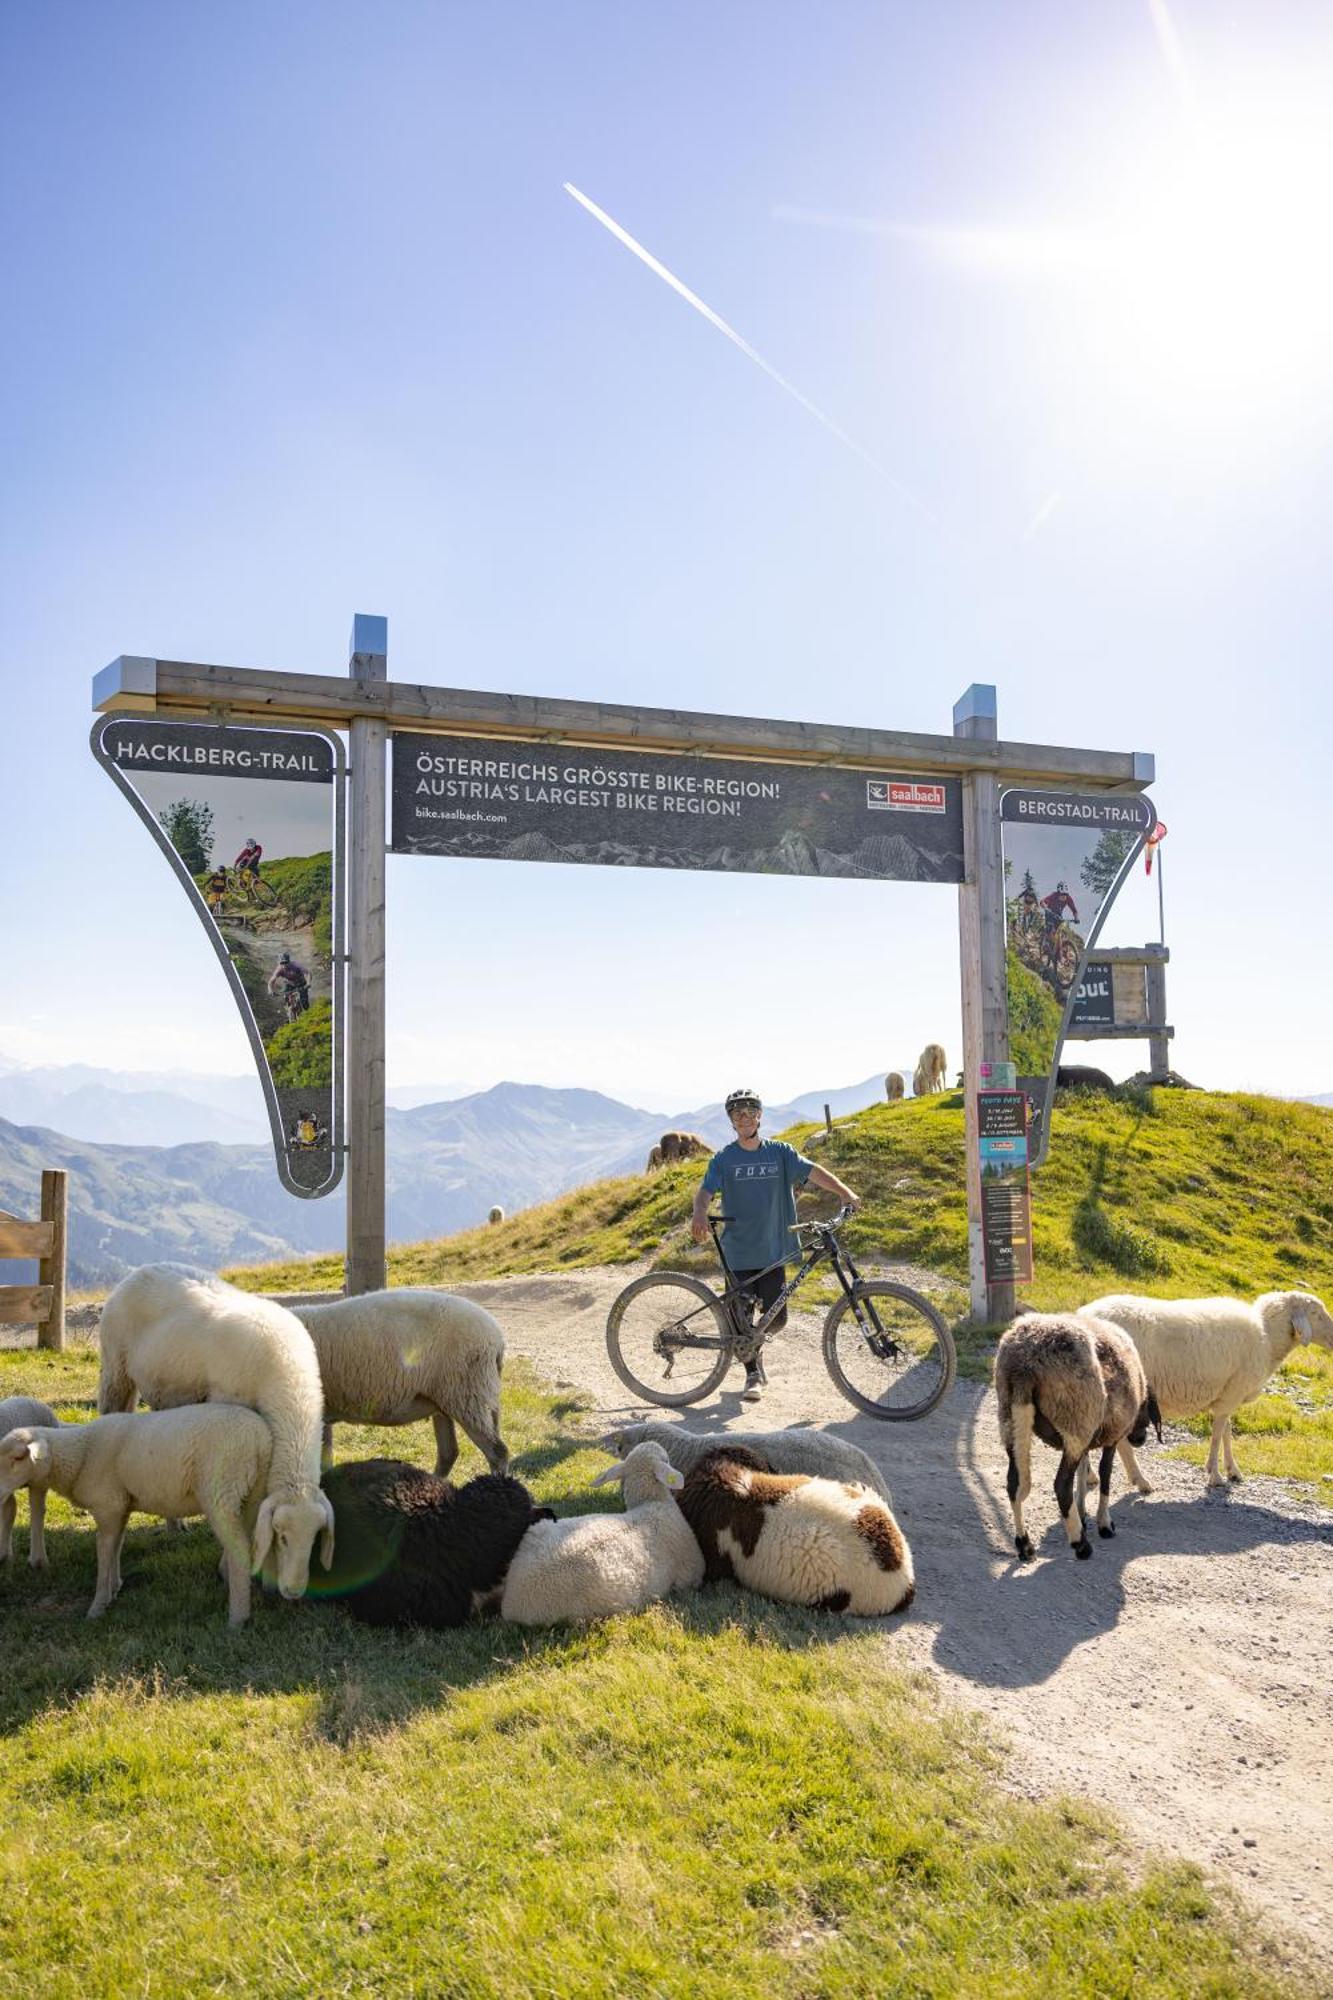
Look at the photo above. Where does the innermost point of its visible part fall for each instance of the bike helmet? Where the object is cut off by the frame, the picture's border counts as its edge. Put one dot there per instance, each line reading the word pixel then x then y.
pixel 743 1100
pixel 286 958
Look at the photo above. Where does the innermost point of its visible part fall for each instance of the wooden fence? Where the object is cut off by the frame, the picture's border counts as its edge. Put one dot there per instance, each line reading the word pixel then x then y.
pixel 45 1240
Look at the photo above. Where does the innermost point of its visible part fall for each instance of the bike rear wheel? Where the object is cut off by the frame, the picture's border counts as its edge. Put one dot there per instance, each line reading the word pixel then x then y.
pixel 264 893
pixel 889 1351
pixel 669 1339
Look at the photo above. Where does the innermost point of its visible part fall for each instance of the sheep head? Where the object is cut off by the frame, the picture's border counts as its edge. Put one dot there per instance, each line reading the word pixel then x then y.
pixel 288 1527
pixel 1148 1414
pixel 1307 1316
pixel 622 1441
pixel 23 1457
pixel 642 1473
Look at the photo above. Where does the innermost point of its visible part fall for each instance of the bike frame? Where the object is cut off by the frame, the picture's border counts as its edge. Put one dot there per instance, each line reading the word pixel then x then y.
pixel 826 1245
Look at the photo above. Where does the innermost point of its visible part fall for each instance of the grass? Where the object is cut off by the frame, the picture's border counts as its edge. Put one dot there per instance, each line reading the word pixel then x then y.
pixel 719 1797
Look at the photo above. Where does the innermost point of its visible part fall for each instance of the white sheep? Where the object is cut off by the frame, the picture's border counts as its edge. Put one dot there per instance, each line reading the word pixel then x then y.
pixel 1078 1384
pixel 831 1544
pixel 395 1357
pixel 821 1454
pixel 596 1565
pixel 203 1458
pixel 496 1214
pixel 173 1335
pixel 14 1411
pixel 1208 1356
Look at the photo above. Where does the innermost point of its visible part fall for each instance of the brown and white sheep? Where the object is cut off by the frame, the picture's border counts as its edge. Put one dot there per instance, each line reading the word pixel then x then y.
pixel 930 1070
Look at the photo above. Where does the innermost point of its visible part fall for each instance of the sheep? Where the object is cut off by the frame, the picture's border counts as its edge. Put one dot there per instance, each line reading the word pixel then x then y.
pixel 681 1146
pixel 800 1449
pixel 828 1543
pixel 1078 1383
pixel 1212 1355
pixel 414 1550
pixel 930 1069
pixel 496 1214
pixel 654 1160
pixel 395 1357
pixel 1081 1076
pixel 204 1458
pixel 596 1565
pixel 174 1335
pixel 894 1086
pixel 14 1411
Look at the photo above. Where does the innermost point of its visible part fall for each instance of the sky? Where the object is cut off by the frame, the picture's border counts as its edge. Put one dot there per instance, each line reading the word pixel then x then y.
pixel 1033 388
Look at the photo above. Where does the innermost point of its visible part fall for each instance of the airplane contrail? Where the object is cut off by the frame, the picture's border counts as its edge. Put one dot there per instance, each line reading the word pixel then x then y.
pixel 737 340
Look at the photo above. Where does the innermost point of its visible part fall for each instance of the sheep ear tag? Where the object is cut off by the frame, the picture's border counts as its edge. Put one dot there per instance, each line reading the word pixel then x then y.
pixel 670 1478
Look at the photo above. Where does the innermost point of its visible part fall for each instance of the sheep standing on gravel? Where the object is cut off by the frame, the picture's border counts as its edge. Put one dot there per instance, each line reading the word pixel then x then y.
pixel 1212 1355
pixel 203 1458
pixel 414 1550
pixel 398 1356
pixel 819 1453
pixel 1079 1384
pixel 596 1565
pixel 831 1544
pixel 13 1412
pixel 172 1335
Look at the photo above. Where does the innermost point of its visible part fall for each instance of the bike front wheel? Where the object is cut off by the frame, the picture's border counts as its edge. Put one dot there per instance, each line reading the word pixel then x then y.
pixel 264 893
pixel 669 1339
pixel 889 1351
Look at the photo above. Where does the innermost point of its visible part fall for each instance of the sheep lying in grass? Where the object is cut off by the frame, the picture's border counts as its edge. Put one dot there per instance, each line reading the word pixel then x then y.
pixel 1212 1355
pixel 397 1356
pixel 414 1550
pixel 828 1543
pixel 1079 1384
pixel 14 1411
pixel 205 1458
pixel 818 1453
pixel 172 1335
pixel 596 1565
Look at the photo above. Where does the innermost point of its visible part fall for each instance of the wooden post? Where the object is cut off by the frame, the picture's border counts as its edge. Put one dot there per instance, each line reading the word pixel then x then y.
pixel 1159 1046
pixel 985 994
pixel 828 1121
pixel 51 1268
pixel 367 741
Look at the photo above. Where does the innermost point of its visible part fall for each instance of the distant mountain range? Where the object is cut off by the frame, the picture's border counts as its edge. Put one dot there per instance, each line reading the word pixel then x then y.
pixel 448 1163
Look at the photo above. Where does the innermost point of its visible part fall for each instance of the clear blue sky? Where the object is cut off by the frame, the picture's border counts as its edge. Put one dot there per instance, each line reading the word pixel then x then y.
pixel 301 323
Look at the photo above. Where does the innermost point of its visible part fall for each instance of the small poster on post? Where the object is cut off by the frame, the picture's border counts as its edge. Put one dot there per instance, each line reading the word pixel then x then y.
pixel 1006 1199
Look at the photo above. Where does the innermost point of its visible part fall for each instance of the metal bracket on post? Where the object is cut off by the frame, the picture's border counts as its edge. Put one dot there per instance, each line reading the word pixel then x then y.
pixel 984 990
pixel 368 738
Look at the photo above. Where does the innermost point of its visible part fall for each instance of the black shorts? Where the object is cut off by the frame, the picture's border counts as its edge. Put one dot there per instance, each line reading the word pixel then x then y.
pixel 762 1287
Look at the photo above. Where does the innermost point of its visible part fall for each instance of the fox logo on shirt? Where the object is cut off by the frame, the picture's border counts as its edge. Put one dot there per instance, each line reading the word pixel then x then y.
pixel 761 1170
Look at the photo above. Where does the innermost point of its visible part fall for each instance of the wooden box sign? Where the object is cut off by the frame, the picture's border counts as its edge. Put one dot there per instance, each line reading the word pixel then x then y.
pixel 505 800
pixel 1109 996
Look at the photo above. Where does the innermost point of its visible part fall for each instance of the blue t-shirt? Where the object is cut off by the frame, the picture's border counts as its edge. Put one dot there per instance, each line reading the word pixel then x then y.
pixel 758 1191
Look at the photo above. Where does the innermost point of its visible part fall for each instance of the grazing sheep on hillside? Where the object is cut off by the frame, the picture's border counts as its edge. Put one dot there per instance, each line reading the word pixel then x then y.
pixel 172 1335
pixel 1212 1355
pixel 395 1357
pixel 203 1458
pixel 1079 1384
pixel 1081 1076
pixel 414 1550
pixel 654 1160
pixel 682 1146
pixel 496 1214
pixel 14 1411
pixel 930 1070
pixel 831 1544
pixel 597 1565
pixel 800 1449
pixel 894 1086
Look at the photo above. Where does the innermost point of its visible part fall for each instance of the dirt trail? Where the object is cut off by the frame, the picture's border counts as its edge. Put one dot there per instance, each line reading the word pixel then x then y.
pixel 1180 1678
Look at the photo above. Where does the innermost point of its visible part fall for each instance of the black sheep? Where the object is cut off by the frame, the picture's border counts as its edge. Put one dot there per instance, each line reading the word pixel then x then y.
pixel 410 1549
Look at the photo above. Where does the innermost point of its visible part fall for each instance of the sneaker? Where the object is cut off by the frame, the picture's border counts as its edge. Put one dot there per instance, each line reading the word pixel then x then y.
pixel 754 1385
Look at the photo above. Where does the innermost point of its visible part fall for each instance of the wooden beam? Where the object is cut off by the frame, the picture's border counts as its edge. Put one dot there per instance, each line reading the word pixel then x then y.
pixel 367 752
pixel 257 694
pixel 24 1239
pixel 51 1270
pixel 21 1304
pixel 1137 954
pixel 1136 1031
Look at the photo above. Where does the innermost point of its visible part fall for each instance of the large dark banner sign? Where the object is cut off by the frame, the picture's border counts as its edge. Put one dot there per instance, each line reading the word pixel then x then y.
pixel 503 800
pixel 251 820
pixel 1065 857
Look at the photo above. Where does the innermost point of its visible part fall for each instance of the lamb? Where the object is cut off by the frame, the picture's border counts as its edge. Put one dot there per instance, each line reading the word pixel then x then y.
pixel 894 1085
pixel 496 1214
pixel 1079 1384
pixel 14 1411
pixel 414 1550
pixel 828 1543
pixel 595 1565
pixel 397 1356
pixel 203 1458
pixel 930 1069
pixel 173 1335
pixel 1212 1355
pixel 801 1449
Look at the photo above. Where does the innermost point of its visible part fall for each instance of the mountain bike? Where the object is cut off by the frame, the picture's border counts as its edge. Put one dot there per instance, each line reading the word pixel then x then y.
pixel 671 1338
pixel 246 882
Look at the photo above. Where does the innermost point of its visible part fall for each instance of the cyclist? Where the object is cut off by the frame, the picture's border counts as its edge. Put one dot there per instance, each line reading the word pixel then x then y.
pixel 215 891
pixel 292 978
pixel 305 1131
pixel 1056 904
pixel 757 1179
pixel 247 861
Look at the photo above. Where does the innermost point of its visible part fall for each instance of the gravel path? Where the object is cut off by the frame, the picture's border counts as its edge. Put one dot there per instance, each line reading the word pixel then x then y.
pixel 1180 1677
